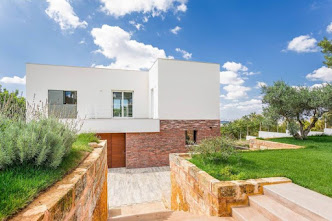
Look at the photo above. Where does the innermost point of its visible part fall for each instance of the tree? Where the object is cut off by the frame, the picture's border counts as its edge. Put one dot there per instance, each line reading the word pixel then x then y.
pixel 11 104
pixel 297 104
pixel 326 46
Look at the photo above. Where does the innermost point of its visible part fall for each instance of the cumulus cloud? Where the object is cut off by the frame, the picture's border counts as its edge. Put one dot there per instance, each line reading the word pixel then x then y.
pixel 235 110
pixel 13 80
pixel 175 30
pixel 235 91
pixel 260 84
pixel 321 74
pixel 329 28
pixel 117 44
pixel 230 77
pixel 182 8
pixel 186 55
pixel 62 13
pixel 235 67
pixel 303 44
pixel 119 8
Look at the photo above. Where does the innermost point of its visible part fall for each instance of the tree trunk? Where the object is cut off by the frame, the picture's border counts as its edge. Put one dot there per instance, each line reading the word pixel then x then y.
pixel 308 129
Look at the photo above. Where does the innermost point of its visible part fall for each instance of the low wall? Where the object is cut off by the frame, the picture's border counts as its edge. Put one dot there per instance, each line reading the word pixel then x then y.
pixel 81 195
pixel 267 134
pixel 256 144
pixel 328 131
pixel 196 191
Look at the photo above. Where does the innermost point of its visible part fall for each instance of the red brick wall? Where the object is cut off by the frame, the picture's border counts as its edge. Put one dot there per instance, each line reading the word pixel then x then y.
pixel 153 149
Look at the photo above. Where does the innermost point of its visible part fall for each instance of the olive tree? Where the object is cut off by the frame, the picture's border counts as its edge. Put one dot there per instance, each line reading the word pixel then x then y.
pixel 326 46
pixel 297 105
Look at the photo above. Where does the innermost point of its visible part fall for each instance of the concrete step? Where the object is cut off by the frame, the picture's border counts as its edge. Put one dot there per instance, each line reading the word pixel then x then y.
pixel 274 210
pixel 137 209
pixel 169 216
pixel 301 200
pixel 247 213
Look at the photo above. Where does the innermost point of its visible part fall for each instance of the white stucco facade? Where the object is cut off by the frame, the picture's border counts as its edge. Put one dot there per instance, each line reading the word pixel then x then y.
pixel 171 89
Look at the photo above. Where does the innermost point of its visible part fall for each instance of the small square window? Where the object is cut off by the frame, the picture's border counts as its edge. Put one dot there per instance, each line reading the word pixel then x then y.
pixel 70 97
pixel 191 137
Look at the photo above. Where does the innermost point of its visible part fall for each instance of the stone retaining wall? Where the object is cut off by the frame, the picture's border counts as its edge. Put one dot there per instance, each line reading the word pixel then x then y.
pixel 196 191
pixel 256 144
pixel 81 195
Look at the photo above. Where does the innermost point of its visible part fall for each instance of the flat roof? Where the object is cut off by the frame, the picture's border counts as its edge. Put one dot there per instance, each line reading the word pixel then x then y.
pixel 168 59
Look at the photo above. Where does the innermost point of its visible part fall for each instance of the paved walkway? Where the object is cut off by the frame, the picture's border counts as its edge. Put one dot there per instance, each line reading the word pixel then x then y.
pixel 133 186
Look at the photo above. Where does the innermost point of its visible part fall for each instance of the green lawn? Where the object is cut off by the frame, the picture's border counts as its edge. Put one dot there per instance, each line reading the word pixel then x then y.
pixel 309 167
pixel 19 185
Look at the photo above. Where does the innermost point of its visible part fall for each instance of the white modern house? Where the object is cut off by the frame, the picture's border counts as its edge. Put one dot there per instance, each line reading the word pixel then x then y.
pixel 144 115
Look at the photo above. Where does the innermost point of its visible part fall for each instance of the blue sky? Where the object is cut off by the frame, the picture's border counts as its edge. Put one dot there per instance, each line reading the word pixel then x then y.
pixel 253 41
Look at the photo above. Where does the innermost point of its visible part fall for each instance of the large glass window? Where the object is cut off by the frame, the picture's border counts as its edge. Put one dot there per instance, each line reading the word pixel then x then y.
pixel 122 104
pixel 62 104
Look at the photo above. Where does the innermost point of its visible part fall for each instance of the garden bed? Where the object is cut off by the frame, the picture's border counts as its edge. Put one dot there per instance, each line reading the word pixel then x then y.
pixel 20 184
pixel 309 167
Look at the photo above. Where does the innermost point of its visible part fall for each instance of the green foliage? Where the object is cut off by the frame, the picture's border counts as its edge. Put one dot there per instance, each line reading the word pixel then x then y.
pixel 11 104
pixel 309 167
pixel 83 139
pixel 20 184
pixel 326 46
pixel 41 142
pixel 216 148
pixel 250 124
pixel 296 104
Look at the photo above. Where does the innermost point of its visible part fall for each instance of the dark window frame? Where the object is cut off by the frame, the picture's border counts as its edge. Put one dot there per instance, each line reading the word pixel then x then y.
pixel 74 98
pixel 187 138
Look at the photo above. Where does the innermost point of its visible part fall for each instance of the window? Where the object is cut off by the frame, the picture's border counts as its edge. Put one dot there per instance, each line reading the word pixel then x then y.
pixel 62 104
pixel 191 136
pixel 122 104
pixel 70 97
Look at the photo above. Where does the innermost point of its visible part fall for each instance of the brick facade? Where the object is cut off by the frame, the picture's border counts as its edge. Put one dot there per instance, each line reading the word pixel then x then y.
pixel 153 149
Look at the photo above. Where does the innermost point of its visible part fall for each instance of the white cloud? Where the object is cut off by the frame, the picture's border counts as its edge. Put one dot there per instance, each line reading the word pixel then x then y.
pixel 62 12
pixel 318 85
pixel 182 8
pixel 119 8
pixel 260 84
pixel 235 91
pixel 235 110
pixel 115 43
pixel 186 55
pixel 137 25
pixel 329 28
pixel 82 42
pixel 13 80
pixel 321 74
pixel 230 77
pixel 249 73
pixel 235 67
pixel 303 43
pixel 175 30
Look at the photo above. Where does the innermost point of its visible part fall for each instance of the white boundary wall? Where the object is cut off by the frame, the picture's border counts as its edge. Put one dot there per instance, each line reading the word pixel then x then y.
pixel 266 134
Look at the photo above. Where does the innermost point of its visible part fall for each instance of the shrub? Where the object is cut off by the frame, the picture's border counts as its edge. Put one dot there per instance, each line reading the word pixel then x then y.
pixel 217 148
pixel 42 141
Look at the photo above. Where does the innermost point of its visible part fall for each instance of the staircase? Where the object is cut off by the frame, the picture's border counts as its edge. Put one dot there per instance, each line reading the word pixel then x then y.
pixel 286 202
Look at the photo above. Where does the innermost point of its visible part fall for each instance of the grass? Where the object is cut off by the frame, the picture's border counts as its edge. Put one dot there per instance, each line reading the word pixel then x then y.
pixel 310 167
pixel 20 184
